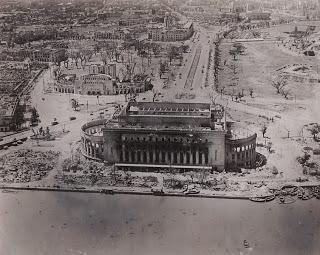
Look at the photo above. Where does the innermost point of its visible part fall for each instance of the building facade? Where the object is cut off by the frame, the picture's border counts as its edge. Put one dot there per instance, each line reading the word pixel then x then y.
pixel 110 69
pixel 44 55
pixel 95 84
pixel 151 136
pixel 171 34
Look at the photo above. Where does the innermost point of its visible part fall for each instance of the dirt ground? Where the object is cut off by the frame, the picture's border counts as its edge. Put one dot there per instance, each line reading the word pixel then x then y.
pixel 257 66
pixel 285 119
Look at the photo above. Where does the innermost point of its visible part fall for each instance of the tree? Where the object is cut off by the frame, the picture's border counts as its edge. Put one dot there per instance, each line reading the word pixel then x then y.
pixel 239 48
pixel 19 116
pixel 143 54
pixel 233 53
pixel 173 53
pixel 285 93
pixel 34 115
pixel 279 83
pixel 155 94
pixel 315 130
pixel 185 48
pixel 74 104
pixel 62 58
pixel 162 69
pixel 156 49
pixel 264 130
pixel 213 96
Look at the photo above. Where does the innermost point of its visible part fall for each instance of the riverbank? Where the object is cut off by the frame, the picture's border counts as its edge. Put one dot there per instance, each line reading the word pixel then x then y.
pixel 146 191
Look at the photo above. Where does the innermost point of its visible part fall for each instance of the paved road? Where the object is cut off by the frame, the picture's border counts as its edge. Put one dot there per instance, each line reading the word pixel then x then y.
pixel 193 69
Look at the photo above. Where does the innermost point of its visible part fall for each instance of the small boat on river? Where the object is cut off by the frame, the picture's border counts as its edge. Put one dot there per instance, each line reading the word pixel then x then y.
pixel 263 199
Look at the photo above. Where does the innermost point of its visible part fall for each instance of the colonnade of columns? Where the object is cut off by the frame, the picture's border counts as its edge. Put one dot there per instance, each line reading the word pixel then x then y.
pixel 93 130
pixel 161 156
pixel 93 150
pixel 243 156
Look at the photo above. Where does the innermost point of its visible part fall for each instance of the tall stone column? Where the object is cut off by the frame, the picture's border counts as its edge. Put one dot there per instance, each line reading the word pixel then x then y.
pixel 85 147
pixel 142 156
pixel 203 158
pixel 191 158
pixel 160 156
pixel 148 156
pixel 172 157
pixel 197 157
pixel 135 156
pixel 89 149
pixel 184 158
pixel 166 157
pixel 130 156
pixel 123 153
pixel 178 158
pixel 154 155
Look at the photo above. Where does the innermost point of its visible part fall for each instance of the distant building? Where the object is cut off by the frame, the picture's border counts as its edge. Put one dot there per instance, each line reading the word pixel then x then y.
pixel 104 84
pixel 110 69
pixel 8 106
pixel 48 55
pixel 40 55
pixel 171 34
pixel 129 22
pixel 230 16
pixel 101 80
pixel 170 31
pixel 256 16
pixel 108 14
pixel 152 136
pixel 65 84
pixel 95 84
pixel 116 34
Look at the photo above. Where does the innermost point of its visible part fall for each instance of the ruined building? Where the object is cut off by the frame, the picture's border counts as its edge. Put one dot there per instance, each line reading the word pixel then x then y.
pixel 149 136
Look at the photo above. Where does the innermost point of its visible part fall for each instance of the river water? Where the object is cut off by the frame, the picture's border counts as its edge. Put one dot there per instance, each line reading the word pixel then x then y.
pixel 59 223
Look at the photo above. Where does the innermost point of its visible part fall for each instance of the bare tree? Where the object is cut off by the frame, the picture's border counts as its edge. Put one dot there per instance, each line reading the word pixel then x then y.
pixel 233 53
pixel 162 69
pixel 279 83
pixel 74 104
pixel 264 130
pixel 155 94
pixel 315 130
pixel 285 92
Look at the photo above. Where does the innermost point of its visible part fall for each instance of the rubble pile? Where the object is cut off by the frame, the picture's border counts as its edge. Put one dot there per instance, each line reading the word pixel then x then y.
pixel 105 178
pixel 213 184
pixel 27 165
pixel 84 166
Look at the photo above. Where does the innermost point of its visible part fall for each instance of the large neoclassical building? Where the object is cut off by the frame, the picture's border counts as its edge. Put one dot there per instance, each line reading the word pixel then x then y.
pixel 149 136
